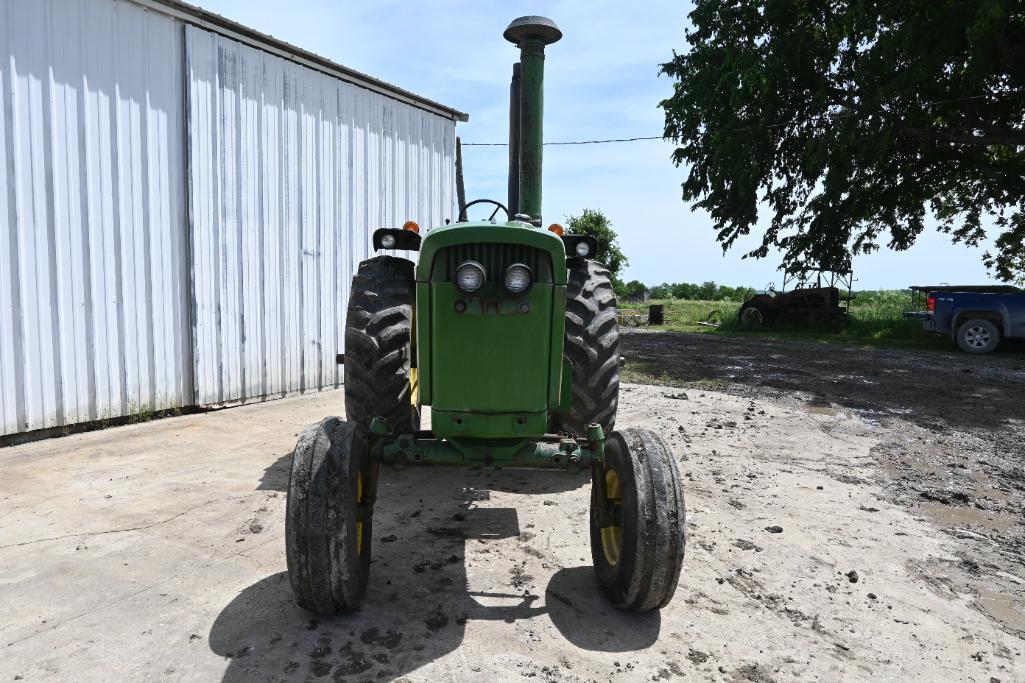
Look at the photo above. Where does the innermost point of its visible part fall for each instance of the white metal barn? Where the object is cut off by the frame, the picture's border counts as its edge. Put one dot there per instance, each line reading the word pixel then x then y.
pixel 183 203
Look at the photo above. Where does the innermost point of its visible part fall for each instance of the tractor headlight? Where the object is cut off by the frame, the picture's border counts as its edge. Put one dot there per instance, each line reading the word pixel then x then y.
pixel 518 278
pixel 583 249
pixel 470 277
pixel 388 241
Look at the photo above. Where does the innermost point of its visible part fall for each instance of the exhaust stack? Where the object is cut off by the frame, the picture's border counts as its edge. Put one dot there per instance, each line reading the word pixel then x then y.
pixel 514 142
pixel 531 34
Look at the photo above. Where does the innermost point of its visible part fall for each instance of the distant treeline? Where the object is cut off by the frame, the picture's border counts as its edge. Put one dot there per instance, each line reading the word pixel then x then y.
pixel 710 291
pixel 686 291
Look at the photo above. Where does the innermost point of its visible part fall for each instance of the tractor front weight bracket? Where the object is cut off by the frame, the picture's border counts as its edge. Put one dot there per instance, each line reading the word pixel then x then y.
pixel 552 451
pixel 596 440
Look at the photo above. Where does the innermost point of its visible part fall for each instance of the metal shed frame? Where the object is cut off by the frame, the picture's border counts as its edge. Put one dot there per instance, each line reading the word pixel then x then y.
pixel 215 23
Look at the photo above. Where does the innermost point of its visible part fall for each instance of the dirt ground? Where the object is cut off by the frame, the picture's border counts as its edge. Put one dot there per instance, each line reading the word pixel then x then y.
pixel 857 518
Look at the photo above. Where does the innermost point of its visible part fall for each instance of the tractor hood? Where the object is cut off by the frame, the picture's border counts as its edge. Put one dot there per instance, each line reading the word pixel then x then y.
pixel 486 232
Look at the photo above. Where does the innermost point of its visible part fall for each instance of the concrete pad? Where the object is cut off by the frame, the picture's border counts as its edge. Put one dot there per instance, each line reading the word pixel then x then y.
pixel 156 551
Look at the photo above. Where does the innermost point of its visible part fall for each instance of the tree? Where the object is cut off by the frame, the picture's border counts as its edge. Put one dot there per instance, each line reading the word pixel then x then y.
pixel 684 290
pixel 852 120
pixel 593 222
pixel 707 291
pixel 631 288
pixel 662 291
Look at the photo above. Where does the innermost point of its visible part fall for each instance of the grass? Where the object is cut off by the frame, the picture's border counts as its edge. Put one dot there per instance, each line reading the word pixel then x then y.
pixel 875 320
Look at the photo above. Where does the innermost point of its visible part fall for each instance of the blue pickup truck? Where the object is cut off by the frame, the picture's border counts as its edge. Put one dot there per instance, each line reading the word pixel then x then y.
pixel 977 317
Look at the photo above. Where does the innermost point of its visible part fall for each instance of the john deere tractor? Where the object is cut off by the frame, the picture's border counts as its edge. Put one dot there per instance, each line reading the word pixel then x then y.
pixel 508 332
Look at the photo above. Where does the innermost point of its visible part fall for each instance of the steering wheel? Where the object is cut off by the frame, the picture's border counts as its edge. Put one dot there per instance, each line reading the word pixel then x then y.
pixel 498 205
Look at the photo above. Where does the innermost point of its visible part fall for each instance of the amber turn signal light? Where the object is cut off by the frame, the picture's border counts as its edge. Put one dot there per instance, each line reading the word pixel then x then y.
pixel 557 229
pixel 411 226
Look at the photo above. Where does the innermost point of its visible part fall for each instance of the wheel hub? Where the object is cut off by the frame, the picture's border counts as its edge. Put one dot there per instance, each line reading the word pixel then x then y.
pixel 977 337
pixel 612 535
pixel 359 502
pixel 752 317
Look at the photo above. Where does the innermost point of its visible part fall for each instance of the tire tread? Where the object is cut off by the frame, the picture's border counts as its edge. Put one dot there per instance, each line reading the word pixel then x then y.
pixel 378 343
pixel 651 560
pixel 326 574
pixel 592 346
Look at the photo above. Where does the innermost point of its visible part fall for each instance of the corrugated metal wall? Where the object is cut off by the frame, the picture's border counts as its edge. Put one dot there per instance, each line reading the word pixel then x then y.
pixel 182 214
pixel 93 254
pixel 290 172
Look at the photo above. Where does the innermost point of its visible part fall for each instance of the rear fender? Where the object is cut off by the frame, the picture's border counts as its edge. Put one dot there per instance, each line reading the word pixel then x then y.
pixel 995 317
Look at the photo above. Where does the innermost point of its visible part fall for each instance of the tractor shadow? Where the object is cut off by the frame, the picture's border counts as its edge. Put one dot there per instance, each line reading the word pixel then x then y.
pixel 528 482
pixel 275 477
pixel 419 601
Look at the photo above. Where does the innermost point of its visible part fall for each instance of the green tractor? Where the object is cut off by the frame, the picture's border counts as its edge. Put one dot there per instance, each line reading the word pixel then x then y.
pixel 508 332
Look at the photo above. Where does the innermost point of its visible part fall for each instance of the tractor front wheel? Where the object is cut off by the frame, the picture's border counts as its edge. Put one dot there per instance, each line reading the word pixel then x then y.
pixel 328 516
pixel 637 521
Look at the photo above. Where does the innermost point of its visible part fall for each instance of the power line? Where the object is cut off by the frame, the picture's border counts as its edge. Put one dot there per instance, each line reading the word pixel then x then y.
pixel 811 119
pixel 570 142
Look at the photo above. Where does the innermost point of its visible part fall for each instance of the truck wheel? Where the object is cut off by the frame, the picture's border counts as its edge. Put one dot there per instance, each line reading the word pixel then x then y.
pixel 978 336
pixel 328 516
pixel 378 344
pixel 638 537
pixel 592 345
pixel 753 316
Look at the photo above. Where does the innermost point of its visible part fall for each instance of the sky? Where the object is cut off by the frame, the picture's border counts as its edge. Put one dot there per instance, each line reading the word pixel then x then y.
pixel 601 81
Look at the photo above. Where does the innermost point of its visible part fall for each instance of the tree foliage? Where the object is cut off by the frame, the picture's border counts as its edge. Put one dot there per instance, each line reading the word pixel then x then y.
pixel 852 121
pixel 631 288
pixel 595 223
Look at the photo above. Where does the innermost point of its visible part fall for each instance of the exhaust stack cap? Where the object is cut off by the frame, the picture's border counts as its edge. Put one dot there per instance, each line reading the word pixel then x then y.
pixel 541 28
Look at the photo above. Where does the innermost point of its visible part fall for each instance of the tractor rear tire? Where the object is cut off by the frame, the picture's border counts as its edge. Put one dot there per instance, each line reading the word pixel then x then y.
pixel 638 555
pixel 379 344
pixel 592 346
pixel 754 316
pixel 328 516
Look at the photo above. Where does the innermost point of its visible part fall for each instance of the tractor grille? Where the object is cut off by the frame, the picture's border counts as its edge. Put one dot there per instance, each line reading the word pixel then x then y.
pixel 495 258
